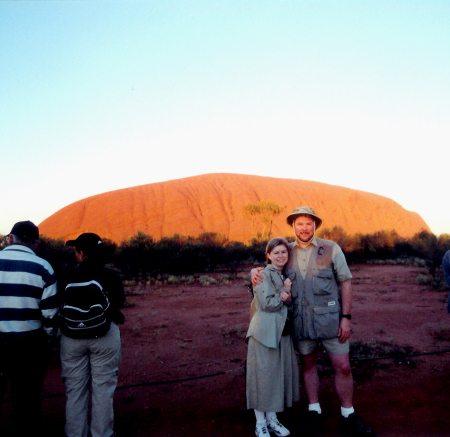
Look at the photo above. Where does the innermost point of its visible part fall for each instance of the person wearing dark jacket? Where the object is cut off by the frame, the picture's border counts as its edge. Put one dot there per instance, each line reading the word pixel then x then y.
pixel 91 351
pixel 28 313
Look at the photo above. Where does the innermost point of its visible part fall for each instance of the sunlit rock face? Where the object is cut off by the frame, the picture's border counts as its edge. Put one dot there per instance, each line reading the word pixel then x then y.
pixel 214 203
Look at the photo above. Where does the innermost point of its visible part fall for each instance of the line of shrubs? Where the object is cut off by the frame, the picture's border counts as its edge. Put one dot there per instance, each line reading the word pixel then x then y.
pixel 142 257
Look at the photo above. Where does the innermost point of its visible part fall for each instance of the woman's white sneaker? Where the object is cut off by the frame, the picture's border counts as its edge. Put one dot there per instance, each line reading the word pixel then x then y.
pixel 277 428
pixel 261 431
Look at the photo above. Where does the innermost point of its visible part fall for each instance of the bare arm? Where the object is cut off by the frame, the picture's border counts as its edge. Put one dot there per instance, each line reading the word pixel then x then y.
pixel 346 297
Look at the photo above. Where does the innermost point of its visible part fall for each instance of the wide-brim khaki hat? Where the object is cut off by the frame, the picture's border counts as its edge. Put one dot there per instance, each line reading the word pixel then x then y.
pixel 303 210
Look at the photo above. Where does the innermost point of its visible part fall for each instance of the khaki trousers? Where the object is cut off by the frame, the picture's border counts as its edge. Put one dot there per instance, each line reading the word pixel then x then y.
pixel 90 362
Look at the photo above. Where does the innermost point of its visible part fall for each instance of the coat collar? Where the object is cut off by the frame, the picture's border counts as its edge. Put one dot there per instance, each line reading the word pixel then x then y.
pixel 19 248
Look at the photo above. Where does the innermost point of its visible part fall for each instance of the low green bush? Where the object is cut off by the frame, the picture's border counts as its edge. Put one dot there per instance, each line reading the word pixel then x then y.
pixel 144 259
pixel 423 280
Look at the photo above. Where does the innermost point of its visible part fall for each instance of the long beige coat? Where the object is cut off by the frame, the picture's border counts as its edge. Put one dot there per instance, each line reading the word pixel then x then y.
pixel 268 311
pixel 272 381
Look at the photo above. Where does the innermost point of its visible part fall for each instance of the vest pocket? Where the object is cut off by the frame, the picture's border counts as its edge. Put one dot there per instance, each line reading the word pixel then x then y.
pixel 323 282
pixel 326 321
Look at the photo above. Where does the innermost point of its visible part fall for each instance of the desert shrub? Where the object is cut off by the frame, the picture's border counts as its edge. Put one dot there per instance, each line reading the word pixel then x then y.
pixel 257 250
pixel 212 247
pixel 232 334
pixel 60 257
pixel 338 235
pixel 207 280
pixel 136 255
pixel 188 279
pixel 432 249
pixel 423 280
pixel 143 258
pixel 234 254
pixel 173 279
pixel 380 245
pixel 426 246
pixel 109 250
pixel 185 255
pixel 177 255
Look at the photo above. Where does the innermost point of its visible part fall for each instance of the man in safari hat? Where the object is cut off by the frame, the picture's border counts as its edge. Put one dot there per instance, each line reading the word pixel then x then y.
pixel 322 299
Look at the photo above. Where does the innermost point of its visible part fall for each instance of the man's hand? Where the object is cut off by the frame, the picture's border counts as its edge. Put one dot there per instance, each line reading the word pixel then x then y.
pixel 344 330
pixel 256 276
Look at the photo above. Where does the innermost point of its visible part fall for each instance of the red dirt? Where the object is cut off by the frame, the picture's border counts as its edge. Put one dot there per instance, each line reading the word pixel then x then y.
pixel 177 332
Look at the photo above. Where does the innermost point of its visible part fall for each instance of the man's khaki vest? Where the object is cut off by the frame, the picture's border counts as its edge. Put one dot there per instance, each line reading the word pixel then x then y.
pixel 317 298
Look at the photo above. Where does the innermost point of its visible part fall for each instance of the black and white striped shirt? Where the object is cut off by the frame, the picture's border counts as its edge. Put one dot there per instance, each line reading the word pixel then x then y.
pixel 28 301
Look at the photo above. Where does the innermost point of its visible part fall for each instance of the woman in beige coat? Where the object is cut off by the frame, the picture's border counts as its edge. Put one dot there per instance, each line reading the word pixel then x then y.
pixel 272 370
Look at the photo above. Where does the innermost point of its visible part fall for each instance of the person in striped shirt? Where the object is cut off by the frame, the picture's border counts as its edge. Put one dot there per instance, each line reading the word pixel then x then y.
pixel 28 310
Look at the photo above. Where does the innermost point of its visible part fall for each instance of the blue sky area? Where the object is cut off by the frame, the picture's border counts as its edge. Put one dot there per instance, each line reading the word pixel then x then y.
pixel 101 95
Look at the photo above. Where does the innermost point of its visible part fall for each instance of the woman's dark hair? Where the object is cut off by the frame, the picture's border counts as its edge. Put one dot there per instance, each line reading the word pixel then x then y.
pixel 274 243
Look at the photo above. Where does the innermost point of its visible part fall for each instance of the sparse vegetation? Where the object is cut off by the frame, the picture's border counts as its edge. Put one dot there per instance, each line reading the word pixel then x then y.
pixel 174 260
pixel 207 280
pixel 261 216
pixel 231 334
pixel 423 280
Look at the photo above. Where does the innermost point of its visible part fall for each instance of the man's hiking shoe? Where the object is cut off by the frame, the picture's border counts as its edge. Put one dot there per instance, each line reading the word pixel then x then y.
pixel 273 425
pixel 312 424
pixel 353 426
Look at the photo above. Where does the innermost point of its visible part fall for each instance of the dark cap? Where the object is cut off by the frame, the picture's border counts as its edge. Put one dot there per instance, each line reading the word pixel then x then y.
pixel 26 231
pixel 88 243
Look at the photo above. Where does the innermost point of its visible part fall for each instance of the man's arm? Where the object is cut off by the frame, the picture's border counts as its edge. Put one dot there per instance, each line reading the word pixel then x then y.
pixel 346 297
pixel 256 276
pixel 49 304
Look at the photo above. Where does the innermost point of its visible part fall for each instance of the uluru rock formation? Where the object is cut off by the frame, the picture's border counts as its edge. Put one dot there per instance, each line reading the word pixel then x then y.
pixel 214 203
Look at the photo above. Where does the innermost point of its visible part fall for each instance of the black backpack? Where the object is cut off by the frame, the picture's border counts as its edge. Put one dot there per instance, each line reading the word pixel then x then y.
pixel 85 310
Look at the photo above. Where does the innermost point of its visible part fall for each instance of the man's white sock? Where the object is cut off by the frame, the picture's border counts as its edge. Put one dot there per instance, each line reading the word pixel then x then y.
pixel 315 407
pixel 347 411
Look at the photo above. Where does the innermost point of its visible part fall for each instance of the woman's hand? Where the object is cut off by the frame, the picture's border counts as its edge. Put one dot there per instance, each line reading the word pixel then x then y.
pixel 285 296
pixel 287 284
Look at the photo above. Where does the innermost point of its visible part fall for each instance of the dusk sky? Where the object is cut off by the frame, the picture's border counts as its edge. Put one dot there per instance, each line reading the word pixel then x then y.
pixel 101 95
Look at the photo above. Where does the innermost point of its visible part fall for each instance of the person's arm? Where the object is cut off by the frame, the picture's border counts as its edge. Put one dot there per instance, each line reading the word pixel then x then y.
pixel 49 304
pixel 256 276
pixel 346 298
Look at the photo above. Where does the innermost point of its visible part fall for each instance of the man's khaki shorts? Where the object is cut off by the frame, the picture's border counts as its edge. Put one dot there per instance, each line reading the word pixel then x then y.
pixel 331 345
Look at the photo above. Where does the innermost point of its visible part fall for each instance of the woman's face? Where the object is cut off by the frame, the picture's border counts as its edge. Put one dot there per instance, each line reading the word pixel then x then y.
pixel 279 256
